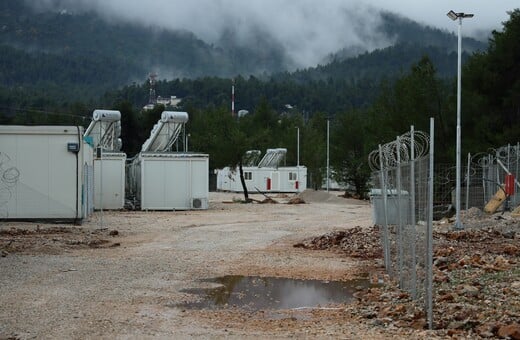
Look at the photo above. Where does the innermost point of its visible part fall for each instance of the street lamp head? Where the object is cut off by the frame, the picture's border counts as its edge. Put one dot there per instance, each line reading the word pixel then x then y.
pixel 454 16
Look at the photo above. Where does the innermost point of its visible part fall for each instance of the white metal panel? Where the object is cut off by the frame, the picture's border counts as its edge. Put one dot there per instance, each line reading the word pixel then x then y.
pixel 49 177
pixel 199 178
pixel 279 179
pixel 170 181
pixel 109 179
pixel 178 184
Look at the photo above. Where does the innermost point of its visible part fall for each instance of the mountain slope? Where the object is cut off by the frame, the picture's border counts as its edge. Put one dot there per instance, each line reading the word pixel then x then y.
pixel 79 56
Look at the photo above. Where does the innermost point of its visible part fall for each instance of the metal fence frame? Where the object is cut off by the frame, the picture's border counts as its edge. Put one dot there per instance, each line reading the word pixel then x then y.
pixel 403 208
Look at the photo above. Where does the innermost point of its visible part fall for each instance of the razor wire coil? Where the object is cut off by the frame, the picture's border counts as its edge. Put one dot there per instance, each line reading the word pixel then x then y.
pixel 389 155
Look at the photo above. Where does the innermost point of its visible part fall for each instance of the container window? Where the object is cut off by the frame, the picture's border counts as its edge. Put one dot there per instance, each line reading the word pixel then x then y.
pixel 293 176
pixel 248 175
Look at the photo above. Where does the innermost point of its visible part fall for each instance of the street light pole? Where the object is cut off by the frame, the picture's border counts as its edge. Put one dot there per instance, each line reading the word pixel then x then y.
pixel 328 155
pixel 298 158
pixel 298 147
pixel 458 16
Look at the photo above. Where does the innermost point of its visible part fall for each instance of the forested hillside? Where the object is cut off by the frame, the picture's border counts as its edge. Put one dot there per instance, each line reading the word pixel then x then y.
pixel 65 56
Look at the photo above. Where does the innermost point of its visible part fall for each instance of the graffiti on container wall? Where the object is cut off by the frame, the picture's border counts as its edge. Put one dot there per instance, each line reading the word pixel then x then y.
pixel 9 176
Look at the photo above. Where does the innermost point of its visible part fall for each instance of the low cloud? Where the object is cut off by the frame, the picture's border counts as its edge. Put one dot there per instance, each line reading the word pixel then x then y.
pixel 308 30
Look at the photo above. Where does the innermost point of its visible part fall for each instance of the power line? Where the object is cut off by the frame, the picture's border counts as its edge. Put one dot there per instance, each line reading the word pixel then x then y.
pixel 30 110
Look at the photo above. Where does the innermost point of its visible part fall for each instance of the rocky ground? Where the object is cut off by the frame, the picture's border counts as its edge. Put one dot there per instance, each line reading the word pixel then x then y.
pixel 122 275
pixel 476 277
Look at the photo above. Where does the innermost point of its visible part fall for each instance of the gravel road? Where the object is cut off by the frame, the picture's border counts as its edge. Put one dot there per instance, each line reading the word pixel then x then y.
pixel 128 283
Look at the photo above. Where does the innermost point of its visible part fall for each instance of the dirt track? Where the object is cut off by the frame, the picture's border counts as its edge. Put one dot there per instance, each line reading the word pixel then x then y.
pixel 121 275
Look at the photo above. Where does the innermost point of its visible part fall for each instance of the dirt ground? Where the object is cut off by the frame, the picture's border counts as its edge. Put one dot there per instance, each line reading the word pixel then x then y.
pixel 121 274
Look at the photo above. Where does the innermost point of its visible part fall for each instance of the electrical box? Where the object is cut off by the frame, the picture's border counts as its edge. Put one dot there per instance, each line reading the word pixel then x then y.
pixel 73 147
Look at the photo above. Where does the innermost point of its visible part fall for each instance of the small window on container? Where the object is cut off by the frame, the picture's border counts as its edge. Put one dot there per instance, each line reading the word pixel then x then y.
pixel 248 175
pixel 293 176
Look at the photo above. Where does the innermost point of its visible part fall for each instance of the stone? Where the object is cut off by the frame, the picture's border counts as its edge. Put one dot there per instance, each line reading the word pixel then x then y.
pixel 512 331
pixel 470 290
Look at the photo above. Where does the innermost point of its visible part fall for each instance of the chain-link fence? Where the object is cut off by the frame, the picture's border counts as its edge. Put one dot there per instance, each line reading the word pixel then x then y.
pixel 485 175
pixel 402 206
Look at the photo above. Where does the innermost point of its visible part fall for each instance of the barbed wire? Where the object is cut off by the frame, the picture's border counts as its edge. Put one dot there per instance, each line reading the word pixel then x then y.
pixel 400 150
pixel 507 154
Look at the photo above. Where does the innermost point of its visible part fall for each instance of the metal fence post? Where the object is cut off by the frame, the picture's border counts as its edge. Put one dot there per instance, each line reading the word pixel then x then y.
pixel 386 243
pixel 429 235
pixel 468 181
pixel 399 214
pixel 412 211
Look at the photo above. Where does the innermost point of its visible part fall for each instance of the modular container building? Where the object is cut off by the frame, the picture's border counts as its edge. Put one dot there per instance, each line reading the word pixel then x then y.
pixel 170 181
pixel 265 175
pixel 109 162
pixel 283 179
pixel 160 179
pixel 46 172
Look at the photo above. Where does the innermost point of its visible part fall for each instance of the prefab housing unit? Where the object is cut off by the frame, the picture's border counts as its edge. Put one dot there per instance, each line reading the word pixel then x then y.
pixel 46 172
pixel 170 181
pixel 163 180
pixel 265 175
pixel 265 179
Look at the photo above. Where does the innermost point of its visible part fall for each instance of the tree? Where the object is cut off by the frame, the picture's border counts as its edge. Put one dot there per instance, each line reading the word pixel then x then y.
pixel 219 134
pixel 412 100
pixel 491 85
pixel 350 149
pixel 313 145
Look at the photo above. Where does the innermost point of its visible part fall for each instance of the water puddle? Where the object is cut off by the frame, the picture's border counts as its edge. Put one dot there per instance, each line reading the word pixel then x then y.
pixel 266 293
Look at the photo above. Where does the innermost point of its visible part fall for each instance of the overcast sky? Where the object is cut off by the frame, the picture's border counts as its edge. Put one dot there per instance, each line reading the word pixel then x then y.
pixel 308 29
pixel 489 14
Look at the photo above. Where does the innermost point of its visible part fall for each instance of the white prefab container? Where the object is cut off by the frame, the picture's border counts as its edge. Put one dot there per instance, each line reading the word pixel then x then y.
pixel 171 181
pixel 109 174
pixel 265 179
pixel 45 173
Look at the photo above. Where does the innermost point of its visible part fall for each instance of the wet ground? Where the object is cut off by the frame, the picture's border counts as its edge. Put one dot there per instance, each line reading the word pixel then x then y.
pixel 267 293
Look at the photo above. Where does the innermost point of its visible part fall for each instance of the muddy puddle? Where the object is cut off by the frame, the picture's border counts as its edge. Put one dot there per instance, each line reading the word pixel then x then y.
pixel 266 293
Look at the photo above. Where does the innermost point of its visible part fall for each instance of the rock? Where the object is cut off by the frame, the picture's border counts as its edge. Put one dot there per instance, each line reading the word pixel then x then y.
pixel 455 325
pixel 296 200
pixel 4 253
pixel 113 233
pixel 510 234
pixel 440 261
pixel 512 331
pixel 369 314
pixel 511 249
pixel 470 290
pixel 485 330
pixel 501 262
pixel 465 260
pixel 450 297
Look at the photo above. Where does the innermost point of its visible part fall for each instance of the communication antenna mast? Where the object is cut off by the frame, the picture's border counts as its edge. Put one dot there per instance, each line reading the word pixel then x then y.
pixel 233 97
pixel 151 80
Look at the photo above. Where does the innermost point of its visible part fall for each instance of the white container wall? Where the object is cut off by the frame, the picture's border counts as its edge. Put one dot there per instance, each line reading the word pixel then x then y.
pixel 282 179
pixel 44 173
pixel 169 181
pixel 109 172
pixel 88 180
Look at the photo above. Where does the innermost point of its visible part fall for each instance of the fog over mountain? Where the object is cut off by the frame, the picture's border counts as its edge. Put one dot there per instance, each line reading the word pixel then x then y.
pixel 307 30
